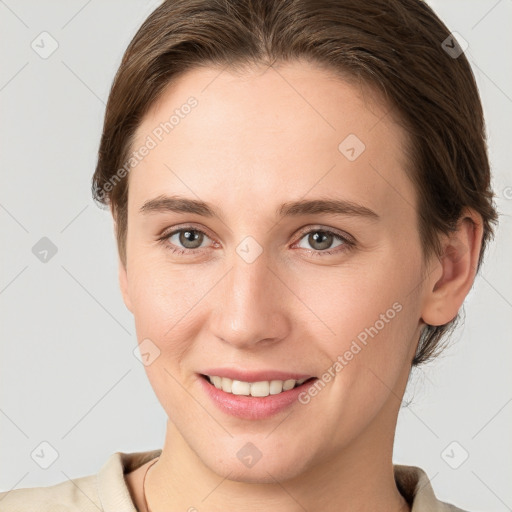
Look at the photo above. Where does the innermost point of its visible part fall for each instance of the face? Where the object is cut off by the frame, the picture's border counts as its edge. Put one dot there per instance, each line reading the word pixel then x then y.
pixel 305 262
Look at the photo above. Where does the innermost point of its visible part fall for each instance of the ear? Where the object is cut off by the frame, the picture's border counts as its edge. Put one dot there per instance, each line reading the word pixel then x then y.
pixel 123 284
pixel 451 281
pixel 122 272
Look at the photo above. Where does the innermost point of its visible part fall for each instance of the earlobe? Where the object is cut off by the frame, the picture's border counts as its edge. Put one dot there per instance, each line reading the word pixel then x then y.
pixel 458 263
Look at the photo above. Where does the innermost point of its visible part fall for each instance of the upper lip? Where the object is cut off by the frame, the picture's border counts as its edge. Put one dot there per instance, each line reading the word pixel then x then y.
pixel 254 375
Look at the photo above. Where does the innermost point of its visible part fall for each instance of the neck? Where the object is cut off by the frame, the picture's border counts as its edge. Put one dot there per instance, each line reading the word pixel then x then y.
pixel 359 478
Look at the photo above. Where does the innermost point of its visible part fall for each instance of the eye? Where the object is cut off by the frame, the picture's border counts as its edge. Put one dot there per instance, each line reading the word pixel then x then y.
pixel 184 240
pixel 320 240
pixel 190 240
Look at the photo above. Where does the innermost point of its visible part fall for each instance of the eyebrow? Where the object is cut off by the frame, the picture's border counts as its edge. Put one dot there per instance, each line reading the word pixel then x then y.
pixel 180 204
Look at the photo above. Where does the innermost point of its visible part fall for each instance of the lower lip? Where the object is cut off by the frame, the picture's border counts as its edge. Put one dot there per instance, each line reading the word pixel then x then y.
pixel 249 407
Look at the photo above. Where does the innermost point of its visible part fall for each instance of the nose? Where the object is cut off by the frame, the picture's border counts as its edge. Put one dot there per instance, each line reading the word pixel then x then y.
pixel 251 306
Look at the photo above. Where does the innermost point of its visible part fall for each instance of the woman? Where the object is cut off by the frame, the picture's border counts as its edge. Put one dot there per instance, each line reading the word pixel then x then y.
pixel 301 196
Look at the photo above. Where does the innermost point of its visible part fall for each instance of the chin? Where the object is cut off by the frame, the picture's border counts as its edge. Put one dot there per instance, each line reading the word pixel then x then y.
pixel 267 470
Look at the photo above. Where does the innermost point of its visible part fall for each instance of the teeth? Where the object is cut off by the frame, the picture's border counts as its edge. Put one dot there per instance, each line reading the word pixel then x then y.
pixel 259 389
pixel 226 384
pixel 240 388
pixel 288 384
pixel 216 381
pixel 276 386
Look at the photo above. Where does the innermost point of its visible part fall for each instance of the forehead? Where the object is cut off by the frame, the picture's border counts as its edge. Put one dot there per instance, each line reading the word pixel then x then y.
pixel 291 129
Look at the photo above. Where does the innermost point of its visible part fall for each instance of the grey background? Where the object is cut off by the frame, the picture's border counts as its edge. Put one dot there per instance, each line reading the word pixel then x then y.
pixel 68 376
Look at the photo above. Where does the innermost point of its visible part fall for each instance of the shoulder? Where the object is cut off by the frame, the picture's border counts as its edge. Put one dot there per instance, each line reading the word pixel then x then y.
pixel 107 490
pixel 414 484
pixel 79 494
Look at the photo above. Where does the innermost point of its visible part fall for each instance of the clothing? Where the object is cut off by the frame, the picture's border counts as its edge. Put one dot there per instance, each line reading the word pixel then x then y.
pixel 107 491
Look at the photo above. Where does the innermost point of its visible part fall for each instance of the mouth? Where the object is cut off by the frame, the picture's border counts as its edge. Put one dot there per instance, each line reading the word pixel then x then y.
pixel 259 389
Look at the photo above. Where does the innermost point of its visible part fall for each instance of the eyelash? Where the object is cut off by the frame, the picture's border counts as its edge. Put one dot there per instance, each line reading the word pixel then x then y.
pixel 347 243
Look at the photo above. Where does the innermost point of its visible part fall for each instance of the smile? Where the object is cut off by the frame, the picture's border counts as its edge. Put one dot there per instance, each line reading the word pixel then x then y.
pixel 257 389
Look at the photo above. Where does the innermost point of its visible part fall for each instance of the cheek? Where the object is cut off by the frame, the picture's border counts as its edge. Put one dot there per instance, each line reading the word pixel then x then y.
pixel 165 310
pixel 355 298
pixel 375 318
pixel 163 295
pixel 372 312
pixel 165 299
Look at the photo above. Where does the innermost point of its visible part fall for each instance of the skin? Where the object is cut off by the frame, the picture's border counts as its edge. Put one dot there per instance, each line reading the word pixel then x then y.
pixel 256 140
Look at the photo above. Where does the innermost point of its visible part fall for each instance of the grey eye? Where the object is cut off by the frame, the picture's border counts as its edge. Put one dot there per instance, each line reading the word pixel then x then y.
pixel 320 240
pixel 188 238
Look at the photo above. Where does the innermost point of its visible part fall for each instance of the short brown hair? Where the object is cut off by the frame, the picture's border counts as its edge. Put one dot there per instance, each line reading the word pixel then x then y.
pixel 398 47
